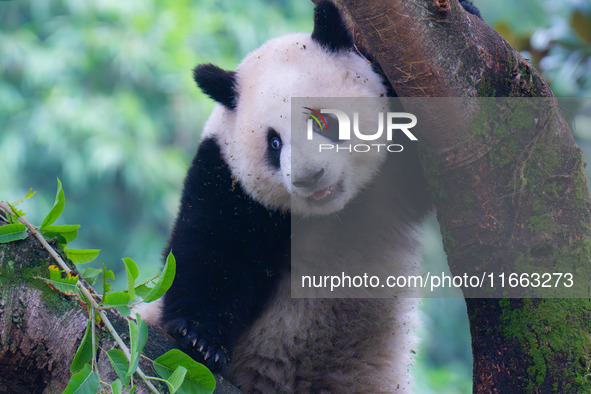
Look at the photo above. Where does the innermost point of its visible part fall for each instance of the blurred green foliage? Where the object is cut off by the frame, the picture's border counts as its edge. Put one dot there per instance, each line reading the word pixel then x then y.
pixel 99 93
pixel 554 35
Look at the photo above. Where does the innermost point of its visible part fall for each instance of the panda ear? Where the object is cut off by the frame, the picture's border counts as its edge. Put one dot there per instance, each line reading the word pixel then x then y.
pixel 217 83
pixel 330 30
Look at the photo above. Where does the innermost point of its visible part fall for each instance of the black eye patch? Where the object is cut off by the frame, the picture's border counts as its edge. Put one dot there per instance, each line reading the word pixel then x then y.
pixel 274 145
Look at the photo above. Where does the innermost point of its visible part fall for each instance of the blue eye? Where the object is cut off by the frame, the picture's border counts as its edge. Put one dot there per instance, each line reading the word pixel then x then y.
pixel 275 143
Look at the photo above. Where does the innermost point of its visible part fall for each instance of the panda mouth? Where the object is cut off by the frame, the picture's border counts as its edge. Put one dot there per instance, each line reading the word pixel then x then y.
pixel 326 194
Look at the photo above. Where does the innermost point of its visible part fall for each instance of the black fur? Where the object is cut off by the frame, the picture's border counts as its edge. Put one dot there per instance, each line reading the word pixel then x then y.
pixel 217 83
pixel 471 8
pixel 230 251
pixel 330 30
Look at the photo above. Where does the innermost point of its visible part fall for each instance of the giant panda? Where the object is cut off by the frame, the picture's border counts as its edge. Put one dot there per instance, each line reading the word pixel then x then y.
pixel 230 305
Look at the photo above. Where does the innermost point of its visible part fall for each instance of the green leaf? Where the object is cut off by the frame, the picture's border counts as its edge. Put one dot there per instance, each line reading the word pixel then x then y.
pixel 132 273
pixel 107 274
pixel 63 229
pixel 62 282
pixel 90 275
pixel 15 214
pixel 12 228
pixel 114 299
pixel 81 256
pixel 165 280
pixel 198 378
pixel 69 232
pixel 84 353
pixel 62 287
pixel 176 379
pixel 143 290
pixel 120 364
pixel 124 310
pixel 138 336
pixel 13 232
pixel 30 194
pixel 65 234
pixel 117 387
pixel 58 206
pixel 84 382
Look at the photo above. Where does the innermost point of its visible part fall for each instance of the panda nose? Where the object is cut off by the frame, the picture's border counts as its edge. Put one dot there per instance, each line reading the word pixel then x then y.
pixel 309 179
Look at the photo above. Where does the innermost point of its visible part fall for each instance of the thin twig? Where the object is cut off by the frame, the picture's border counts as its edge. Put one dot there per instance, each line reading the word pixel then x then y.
pixel 84 291
pixel 92 317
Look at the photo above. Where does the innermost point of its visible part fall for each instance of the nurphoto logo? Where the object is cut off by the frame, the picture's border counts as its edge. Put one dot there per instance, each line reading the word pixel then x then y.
pixel 317 124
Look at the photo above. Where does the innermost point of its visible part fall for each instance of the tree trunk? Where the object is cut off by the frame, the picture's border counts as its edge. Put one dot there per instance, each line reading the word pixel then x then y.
pixel 40 329
pixel 505 198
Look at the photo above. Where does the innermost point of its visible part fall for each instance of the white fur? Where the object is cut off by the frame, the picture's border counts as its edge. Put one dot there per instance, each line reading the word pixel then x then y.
pixel 291 66
pixel 352 345
pixel 151 312
pixel 328 345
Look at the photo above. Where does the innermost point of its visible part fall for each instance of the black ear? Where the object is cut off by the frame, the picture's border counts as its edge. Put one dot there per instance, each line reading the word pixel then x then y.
pixel 217 83
pixel 330 30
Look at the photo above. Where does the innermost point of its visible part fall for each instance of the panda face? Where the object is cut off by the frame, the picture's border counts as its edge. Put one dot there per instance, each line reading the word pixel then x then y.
pixel 253 124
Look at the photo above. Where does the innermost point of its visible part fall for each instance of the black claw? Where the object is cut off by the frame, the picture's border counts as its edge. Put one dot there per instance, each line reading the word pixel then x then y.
pixel 201 342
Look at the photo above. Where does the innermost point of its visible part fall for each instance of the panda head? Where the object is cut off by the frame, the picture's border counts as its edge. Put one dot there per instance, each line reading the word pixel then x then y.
pixel 252 122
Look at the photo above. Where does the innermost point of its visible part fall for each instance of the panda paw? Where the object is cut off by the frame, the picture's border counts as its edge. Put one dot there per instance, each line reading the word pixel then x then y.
pixel 201 343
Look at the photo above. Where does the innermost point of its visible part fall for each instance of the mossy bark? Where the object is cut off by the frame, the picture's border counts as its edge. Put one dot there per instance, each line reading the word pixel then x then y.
pixel 40 329
pixel 507 198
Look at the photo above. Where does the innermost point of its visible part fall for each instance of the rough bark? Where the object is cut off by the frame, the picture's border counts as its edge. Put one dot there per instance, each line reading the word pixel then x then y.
pixel 36 341
pixel 505 198
pixel 40 330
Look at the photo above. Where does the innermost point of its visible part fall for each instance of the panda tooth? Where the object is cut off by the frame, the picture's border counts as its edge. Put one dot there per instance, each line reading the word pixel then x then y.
pixel 217 358
pixel 206 355
pixel 194 342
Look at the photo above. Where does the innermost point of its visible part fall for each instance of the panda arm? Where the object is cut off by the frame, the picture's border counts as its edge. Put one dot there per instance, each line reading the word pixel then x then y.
pixel 229 252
